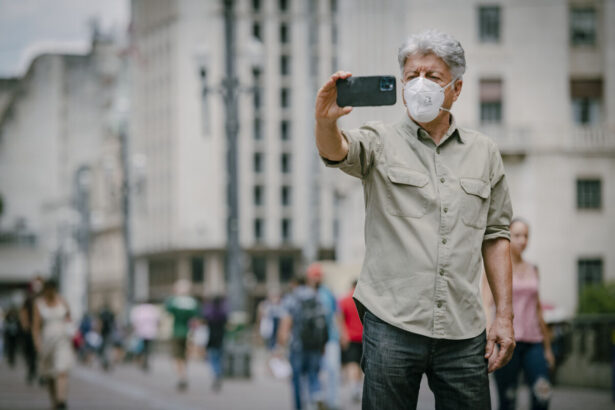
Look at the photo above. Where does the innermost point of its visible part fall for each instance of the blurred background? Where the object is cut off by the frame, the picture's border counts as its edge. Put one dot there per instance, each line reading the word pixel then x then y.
pixel 147 141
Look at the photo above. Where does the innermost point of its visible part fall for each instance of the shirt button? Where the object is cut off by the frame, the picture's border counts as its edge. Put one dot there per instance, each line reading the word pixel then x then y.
pixel 438 150
pixel 442 180
pixel 439 304
pixel 441 272
pixel 445 210
pixel 444 241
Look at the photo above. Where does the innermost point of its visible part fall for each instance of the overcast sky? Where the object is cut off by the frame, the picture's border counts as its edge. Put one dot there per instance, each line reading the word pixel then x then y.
pixel 29 27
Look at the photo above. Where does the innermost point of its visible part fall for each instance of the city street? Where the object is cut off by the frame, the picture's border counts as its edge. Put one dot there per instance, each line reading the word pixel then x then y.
pixel 127 387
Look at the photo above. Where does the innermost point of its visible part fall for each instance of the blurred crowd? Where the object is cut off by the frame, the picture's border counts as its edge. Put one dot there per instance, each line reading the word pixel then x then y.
pixel 308 333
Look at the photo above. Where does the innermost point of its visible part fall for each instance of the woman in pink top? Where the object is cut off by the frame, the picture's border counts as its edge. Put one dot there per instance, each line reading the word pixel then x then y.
pixel 533 351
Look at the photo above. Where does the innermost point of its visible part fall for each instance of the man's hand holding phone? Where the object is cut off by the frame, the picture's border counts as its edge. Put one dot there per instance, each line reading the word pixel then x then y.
pixel 327 110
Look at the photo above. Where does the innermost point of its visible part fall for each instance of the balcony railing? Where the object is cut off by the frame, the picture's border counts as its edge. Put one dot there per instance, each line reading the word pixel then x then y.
pixel 521 140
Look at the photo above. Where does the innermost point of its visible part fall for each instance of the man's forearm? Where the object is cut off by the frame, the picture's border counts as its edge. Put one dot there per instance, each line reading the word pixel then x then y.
pixel 330 142
pixel 498 268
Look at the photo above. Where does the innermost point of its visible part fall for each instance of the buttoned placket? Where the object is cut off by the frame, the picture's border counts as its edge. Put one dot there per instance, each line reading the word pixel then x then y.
pixel 443 249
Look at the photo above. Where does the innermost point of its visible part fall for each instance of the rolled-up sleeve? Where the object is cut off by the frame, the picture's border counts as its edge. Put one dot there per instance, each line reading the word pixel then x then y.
pixel 500 208
pixel 363 146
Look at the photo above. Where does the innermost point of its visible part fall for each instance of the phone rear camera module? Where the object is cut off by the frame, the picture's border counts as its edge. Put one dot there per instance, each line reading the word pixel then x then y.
pixel 387 84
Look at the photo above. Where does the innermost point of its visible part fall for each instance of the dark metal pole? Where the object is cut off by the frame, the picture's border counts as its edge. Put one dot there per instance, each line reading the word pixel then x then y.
pixel 126 231
pixel 230 86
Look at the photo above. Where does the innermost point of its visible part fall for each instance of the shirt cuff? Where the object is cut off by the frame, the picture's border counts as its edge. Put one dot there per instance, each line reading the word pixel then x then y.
pixel 495 232
pixel 352 148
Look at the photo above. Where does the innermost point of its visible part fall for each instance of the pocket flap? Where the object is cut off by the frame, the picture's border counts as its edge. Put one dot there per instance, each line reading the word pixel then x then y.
pixel 406 176
pixel 476 187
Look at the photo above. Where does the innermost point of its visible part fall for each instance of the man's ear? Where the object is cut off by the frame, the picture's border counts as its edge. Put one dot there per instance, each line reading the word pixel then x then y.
pixel 457 89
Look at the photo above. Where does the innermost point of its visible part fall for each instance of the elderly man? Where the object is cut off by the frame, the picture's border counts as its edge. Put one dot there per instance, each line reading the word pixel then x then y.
pixel 435 199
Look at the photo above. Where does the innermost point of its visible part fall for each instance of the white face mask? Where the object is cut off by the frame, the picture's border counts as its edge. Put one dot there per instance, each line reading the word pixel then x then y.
pixel 424 99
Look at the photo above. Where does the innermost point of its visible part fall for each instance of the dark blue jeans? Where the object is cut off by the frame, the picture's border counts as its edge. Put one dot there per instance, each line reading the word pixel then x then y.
pixel 531 358
pixel 305 364
pixel 394 361
pixel 215 358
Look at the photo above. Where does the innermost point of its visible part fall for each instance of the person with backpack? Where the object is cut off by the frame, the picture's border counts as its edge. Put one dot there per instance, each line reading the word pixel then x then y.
pixel 303 330
pixel 332 358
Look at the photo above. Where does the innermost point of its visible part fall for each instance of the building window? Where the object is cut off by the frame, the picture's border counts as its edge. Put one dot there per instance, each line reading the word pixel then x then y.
pixel 285 163
pixel 257 94
pixel 286 195
pixel 285 130
pixel 286 229
pixel 198 269
pixel 256 5
pixel 258 162
pixel 583 26
pixel 258 129
pixel 259 229
pixel 259 268
pixel 489 24
pixel 287 268
pixel 589 194
pixel 284 65
pixel 284 34
pixel 256 31
pixel 259 192
pixel 285 98
pixel 490 101
pixel 586 98
pixel 590 272
pixel 283 5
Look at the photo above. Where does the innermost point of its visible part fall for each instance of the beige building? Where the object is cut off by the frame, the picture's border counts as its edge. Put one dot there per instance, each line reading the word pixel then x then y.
pixel 283 51
pixel 540 82
pixel 53 123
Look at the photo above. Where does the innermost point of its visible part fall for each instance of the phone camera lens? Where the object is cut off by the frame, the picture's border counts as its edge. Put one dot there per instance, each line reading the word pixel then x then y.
pixel 387 84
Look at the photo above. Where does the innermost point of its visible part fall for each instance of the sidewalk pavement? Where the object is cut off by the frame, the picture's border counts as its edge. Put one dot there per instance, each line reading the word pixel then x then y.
pixel 127 387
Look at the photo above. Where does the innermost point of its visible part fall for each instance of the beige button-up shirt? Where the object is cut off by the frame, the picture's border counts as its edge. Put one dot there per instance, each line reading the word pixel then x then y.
pixel 428 210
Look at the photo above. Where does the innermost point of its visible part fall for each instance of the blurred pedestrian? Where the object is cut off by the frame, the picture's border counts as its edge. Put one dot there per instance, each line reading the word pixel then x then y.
pixel 26 316
pixel 332 358
pixel 11 333
pixel 533 353
pixel 352 343
pixel 270 313
pixel 436 207
pixel 215 314
pixel 145 318
pixel 106 319
pixel 304 330
pixel 83 347
pixel 183 308
pixel 50 325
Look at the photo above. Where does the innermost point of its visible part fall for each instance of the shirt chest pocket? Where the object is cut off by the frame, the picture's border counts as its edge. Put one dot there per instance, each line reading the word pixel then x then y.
pixel 407 192
pixel 475 202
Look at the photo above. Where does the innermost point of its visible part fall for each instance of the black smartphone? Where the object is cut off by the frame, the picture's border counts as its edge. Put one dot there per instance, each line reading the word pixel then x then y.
pixel 366 91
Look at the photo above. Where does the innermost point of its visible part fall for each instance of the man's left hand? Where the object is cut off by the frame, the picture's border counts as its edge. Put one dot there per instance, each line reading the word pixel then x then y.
pixel 502 334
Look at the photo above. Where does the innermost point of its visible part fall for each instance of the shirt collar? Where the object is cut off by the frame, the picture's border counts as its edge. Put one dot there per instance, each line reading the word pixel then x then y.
pixel 415 128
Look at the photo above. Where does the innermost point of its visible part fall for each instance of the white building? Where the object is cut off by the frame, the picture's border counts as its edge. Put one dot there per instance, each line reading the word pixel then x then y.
pixel 540 81
pixel 283 52
pixel 52 128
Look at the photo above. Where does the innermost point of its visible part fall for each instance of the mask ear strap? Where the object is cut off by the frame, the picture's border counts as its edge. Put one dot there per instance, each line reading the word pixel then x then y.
pixel 452 82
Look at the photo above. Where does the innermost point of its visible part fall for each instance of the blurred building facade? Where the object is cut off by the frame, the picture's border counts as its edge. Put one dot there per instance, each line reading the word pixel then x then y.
pixel 540 82
pixel 283 51
pixel 53 127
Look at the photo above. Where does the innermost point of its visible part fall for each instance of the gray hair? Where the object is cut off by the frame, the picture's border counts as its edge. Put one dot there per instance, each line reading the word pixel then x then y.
pixel 435 42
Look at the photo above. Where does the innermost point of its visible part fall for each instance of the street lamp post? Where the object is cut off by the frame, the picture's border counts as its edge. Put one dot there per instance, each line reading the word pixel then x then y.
pixel 230 90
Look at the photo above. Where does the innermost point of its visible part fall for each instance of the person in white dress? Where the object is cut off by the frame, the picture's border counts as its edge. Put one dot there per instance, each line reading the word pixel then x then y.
pixel 51 324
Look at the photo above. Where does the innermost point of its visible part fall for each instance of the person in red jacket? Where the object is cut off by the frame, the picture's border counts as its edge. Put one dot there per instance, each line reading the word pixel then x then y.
pixel 352 342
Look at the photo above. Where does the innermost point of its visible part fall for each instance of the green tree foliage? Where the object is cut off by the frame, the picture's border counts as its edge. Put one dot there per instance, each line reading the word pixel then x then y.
pixel 598 298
